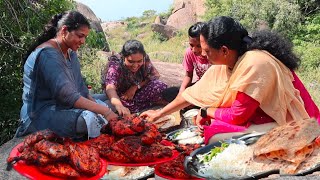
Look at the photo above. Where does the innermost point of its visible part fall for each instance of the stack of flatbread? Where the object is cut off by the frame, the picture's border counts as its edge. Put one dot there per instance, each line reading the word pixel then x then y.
pixel 291 148
pixel 168 121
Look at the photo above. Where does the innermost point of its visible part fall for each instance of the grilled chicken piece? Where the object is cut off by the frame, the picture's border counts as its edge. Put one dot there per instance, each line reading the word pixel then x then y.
pixel 52 149
pixel 151 134
pixel 175 168
pixel 132 148
pixel 84 159
pixel 159 151
pixel 122 128
pixel 115 156
pixel 187 149
pixel 103 144
pixel 133 126
pixel 137 124
pixel 31 139
pixel 30 156
pixel 63 170
pixel 102 141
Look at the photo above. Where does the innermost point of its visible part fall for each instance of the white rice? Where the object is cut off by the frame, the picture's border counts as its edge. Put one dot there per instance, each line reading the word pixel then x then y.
pixel 231 163
pixel 120 173
pixel 192 140
pixel 186 134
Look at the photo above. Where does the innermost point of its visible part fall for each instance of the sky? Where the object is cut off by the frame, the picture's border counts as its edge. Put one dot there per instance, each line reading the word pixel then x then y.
pixel 112 10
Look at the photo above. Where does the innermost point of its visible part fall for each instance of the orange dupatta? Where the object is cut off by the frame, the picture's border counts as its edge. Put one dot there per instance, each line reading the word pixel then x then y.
pixel 258 74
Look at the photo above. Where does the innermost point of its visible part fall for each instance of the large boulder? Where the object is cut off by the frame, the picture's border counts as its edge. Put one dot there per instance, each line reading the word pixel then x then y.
pixel 186 13
pixel 89 14
pixel 157 20
pixel 108 26
pixel 165 30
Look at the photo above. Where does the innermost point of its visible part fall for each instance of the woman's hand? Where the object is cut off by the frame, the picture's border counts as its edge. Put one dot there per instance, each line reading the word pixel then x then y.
pixel 122 111
pixel 151 115
pixel 198 120
pixel 110 115
pixel 129 94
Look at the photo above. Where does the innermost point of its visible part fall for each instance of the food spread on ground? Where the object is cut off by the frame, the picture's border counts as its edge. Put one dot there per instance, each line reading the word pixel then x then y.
pixel 127 173
pixel 226 162
pixel 292 149
pixel 287 147
pixel 137 146
pixel 175 168
pixel 168 122
pixel 129 140
pixel 56 156
pixel 190 135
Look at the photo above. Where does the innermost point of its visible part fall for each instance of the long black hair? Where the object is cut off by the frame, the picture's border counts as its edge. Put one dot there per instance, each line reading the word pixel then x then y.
pixel 225 31
pixel 72 19
pixel 194 30
pixel 132 47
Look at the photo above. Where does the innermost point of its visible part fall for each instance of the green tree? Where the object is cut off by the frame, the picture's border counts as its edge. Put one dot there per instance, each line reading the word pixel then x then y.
pixel 280 15
pixel 308 7
pixel 148 13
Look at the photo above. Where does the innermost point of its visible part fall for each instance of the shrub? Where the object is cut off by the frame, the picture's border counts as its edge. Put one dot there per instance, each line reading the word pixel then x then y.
pixel 91 66
pixel 97 40
pixel 282 16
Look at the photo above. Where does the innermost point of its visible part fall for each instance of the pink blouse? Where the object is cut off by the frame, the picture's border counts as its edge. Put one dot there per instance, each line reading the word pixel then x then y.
pixel 245 110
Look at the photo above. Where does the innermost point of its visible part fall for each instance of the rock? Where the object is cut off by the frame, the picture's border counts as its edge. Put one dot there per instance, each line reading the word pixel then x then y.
pixel 95 22
pixel 89 14
pixel 186 13
pixel 157 20
pixel 5 150
pixel 184 17
pixel 126 36
pixel 170 73
pixel 108 26
pixel 142 24
pixel 177 5
pixel 142 35
pixel 165 30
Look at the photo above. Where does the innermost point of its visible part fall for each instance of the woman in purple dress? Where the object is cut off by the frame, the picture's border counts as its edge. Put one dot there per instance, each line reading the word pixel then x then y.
pixel 131 81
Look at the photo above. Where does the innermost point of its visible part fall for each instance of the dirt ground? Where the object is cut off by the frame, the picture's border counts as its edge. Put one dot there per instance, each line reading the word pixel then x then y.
pixel 171 73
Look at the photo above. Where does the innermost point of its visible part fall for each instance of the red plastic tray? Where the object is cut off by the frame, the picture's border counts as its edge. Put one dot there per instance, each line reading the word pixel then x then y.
pixel 32 172
pixel 158 173
pixel 158 161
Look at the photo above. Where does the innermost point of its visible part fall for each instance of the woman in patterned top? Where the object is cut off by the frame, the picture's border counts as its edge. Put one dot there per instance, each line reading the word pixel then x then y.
pixel 131 81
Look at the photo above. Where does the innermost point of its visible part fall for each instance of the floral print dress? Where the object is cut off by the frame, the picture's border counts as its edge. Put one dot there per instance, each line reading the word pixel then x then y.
pixel 122 78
